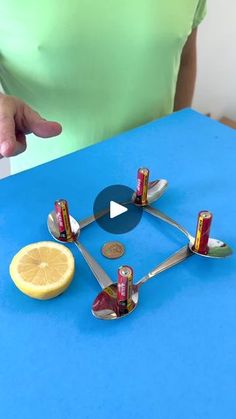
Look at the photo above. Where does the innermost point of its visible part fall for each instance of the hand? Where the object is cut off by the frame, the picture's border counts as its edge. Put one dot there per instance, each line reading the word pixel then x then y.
pixel 16 120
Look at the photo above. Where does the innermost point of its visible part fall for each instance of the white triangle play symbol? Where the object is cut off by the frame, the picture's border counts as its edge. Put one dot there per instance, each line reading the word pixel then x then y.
pixel 116 209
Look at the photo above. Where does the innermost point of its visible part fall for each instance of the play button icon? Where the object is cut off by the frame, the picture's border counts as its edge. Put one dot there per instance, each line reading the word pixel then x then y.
pixel 116 209
pixel 121 215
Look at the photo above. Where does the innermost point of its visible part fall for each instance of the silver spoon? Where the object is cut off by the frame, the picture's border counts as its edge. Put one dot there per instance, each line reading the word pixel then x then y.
pixel 101 276
pixel 156 189
pixel 217 248
pixel 106 307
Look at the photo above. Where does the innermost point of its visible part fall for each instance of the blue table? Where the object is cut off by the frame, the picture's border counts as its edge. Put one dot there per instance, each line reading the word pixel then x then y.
pixel 174 357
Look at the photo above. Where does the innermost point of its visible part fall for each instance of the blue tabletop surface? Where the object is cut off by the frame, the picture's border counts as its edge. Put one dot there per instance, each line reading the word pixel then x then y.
pixel 174 357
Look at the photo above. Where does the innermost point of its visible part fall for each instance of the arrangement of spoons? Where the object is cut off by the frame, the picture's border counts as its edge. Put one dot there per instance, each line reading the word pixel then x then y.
pixel 106 305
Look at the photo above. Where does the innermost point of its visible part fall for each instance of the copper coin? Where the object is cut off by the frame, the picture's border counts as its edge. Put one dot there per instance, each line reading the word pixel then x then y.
pixel 113 250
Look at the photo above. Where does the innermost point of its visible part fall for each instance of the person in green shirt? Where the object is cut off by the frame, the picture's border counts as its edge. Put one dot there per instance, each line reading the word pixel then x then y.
pixel 98 68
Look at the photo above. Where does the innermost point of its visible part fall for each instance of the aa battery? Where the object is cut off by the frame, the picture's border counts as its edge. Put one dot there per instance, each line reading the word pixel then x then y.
pixel 63 219
pixel 125 285
pixel 203 232
pixel 142 186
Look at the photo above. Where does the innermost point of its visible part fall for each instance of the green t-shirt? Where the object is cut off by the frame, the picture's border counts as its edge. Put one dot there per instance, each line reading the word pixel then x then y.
pixel 97 67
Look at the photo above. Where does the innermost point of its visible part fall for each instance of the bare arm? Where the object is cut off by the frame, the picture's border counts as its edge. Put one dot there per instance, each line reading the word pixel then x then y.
pixel 187 73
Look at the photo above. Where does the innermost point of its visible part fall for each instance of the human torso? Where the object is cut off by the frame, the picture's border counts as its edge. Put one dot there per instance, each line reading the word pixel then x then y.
pixel 97 67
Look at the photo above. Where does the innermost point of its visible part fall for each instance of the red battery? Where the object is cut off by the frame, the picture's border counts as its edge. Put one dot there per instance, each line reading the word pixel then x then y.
pixel 63 219
pixel 125 284
pixel 142 186
pixel 203 232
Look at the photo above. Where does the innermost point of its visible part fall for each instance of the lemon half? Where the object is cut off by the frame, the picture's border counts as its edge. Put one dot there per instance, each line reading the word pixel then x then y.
pixel 43 270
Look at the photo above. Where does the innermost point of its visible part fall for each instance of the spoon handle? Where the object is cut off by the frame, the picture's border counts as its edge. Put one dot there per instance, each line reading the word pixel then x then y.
pixel 167 219
pixel 101 276
pixel 86 221
pixel 173 260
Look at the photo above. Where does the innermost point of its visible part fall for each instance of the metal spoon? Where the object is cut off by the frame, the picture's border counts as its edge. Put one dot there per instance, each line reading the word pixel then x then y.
pixel 217 248
pixel 101 276
pixel 105 305
pixel 155 191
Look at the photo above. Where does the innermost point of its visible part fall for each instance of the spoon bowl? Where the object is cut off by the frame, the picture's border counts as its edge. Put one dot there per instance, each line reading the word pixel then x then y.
pixel 106 307
pixel 156 189
pixel 216 249
pixel 54 231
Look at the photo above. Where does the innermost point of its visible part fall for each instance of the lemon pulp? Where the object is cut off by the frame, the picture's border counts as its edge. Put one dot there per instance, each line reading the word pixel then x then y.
pixel 43 270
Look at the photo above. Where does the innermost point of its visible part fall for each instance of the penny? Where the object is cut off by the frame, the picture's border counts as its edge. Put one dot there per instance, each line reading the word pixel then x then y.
pixel 113 250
